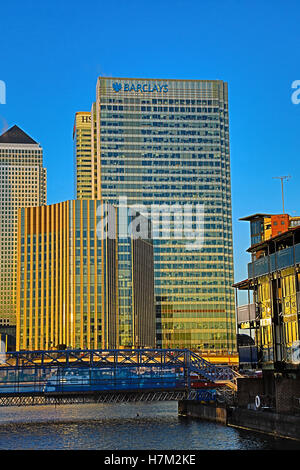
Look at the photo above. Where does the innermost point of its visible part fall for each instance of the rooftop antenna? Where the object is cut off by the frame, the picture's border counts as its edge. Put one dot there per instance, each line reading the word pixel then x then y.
pixel 282 178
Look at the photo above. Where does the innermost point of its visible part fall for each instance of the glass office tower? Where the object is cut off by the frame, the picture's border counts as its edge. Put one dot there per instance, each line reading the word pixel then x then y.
pixel 22 184
pixel 166 142
pixel 73 282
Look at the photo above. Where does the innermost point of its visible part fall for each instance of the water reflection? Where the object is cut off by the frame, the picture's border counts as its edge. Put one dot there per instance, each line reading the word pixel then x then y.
pixel 122 427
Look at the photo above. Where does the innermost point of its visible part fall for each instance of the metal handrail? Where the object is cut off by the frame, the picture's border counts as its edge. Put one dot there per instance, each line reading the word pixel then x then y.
pixel 37 365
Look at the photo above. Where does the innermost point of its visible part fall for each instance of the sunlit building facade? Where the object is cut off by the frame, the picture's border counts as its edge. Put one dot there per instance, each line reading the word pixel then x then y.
pixel 82 156
pixel 22 184
pixel 166 142
pixel 77 287
pixel 272 315
pixel 273 285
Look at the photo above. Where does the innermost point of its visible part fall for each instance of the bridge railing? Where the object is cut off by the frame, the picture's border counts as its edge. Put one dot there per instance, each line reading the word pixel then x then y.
pixel 208 370
pixel 90 379
pixel 96 370
pixel 93 370
pixel 95 357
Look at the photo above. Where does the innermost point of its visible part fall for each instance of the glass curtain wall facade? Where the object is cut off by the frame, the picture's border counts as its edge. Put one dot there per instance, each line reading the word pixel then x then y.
pixel 22 184
pixel 71 280
pixel 167 142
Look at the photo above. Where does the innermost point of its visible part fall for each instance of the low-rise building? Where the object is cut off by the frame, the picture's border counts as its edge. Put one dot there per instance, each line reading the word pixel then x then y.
pixel 272 315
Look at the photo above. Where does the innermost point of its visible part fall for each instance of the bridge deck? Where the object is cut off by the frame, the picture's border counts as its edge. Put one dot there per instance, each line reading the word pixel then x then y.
pixel 94 372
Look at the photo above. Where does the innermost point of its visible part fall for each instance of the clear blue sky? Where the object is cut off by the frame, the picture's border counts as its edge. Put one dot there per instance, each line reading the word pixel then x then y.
pixel 53 51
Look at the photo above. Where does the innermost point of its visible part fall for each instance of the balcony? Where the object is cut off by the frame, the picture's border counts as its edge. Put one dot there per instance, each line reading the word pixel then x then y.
pixel 279 260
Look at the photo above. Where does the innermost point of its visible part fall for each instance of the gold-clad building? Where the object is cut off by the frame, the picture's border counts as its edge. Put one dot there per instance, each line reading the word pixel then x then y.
pixel 273 284
pixel 78 288
pixel 82 156
pixel 22 184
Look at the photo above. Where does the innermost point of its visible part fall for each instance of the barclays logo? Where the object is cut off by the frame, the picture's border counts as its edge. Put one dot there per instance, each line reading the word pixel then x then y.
pixel 143 88
pixel 117 86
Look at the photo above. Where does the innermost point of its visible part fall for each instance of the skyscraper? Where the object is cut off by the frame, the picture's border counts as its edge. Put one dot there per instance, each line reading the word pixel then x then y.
pixel 22 184
pixel 82 156
pixel 161 142
pixel 78 288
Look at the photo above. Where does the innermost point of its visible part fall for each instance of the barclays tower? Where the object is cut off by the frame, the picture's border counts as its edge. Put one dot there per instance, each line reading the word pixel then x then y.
pixel 165 144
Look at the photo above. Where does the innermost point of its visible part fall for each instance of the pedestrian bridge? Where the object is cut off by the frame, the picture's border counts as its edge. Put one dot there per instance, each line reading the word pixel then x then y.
pixel 73 376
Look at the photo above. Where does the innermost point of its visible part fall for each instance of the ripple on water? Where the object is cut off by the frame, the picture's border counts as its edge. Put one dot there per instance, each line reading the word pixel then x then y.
pixel 122 427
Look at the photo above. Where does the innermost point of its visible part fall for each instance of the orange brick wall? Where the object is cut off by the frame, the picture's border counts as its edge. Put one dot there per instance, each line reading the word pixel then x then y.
pixel 279 224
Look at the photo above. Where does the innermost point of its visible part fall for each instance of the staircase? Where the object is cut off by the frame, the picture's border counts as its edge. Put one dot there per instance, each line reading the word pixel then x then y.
pixel 220 375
